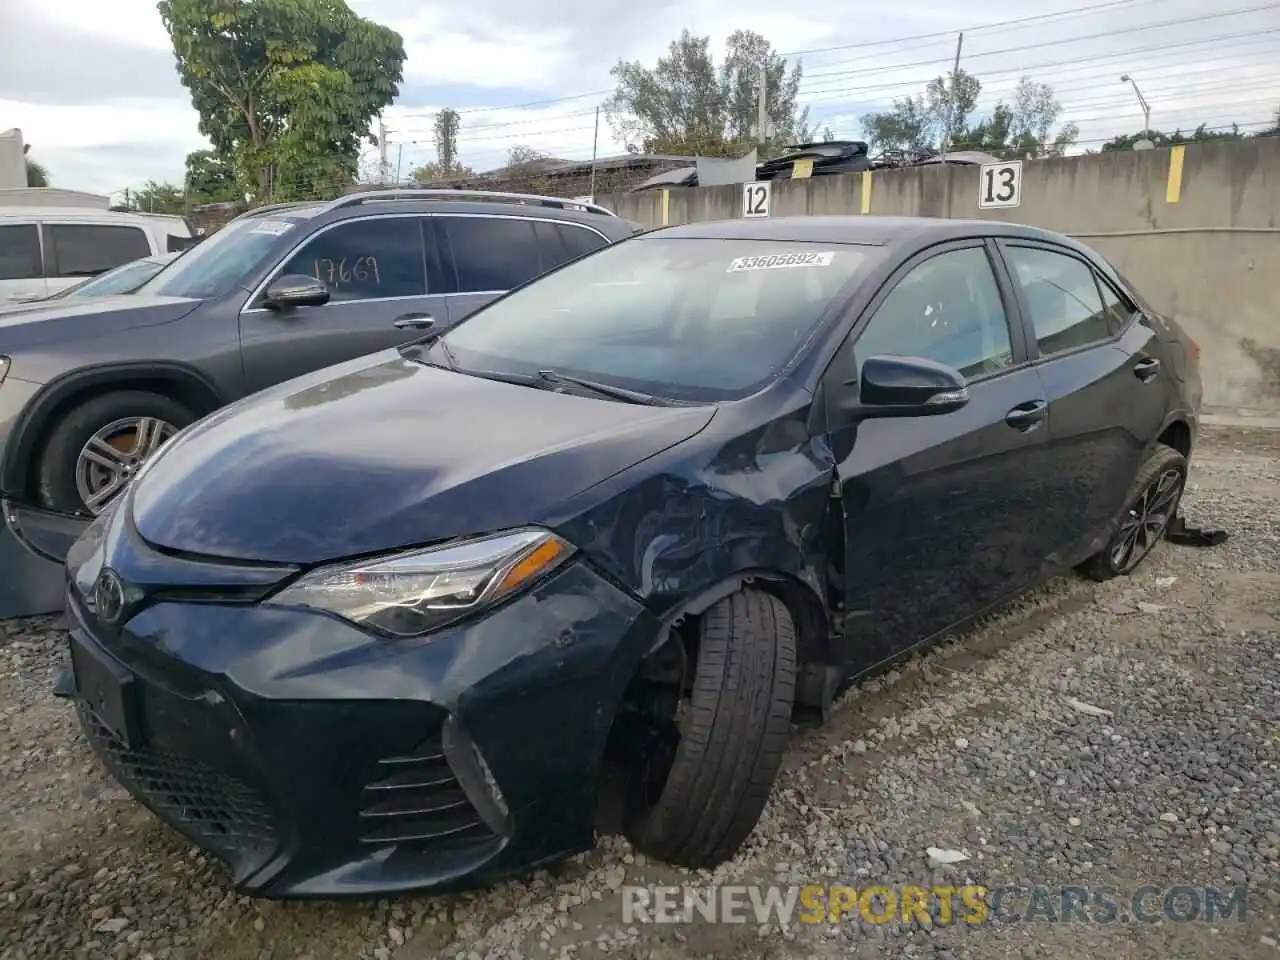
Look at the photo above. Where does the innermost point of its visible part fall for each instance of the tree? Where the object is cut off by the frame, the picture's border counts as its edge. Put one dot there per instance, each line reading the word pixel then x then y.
pixel 685 105
pixel 157 198
pixel 284 88
pixel 37 175
pixel 1200 134
pixel 210 179
pixel 908 126
pixel 446 126
pixel 522 157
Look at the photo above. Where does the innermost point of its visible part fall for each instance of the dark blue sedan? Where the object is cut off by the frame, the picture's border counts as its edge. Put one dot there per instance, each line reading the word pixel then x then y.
pixel 382 627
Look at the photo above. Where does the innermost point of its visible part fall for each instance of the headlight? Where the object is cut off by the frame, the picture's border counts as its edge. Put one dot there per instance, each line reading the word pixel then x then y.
pixel 409 594
pixel 4 368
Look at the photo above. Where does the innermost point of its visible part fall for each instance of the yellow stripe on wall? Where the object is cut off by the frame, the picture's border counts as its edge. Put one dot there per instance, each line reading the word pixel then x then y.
pixel 666 207
pixel 1173 193
pixel 866 191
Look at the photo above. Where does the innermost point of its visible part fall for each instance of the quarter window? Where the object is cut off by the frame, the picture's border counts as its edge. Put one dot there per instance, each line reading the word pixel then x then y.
pixel 1062 298
pixel 493 254
pixel 579 240
pixel 947 309
pixel 1118 312
pixel 366 259
pixel 86 250
pixel 20 252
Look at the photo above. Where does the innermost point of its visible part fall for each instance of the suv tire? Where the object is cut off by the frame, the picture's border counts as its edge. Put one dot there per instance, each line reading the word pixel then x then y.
pixel 58 463
pixel 1152 502
pixel 732 743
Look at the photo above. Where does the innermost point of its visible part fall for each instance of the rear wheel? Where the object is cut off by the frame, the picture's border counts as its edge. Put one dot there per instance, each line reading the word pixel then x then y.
pixel 1153 503
pixel 702 778
pixel 94 450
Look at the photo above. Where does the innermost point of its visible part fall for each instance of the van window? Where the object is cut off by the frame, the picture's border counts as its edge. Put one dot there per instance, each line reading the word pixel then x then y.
pixel 88 249
pixel 20 252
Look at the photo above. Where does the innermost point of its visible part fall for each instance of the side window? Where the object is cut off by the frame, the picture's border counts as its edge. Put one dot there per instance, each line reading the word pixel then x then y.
pixel 1062 297
pixel 493 253
pixel 20 252
pixel 580 240
pixel 86 250
pixel 366 259
pixel 947 309
pixel 1118 312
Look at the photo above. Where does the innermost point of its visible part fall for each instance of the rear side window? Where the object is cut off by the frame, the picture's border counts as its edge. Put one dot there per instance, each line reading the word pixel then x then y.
pixel 1062 296
pixel 366 259
pixel 87 249
pixel 1118 312
pixel 580 240
pixel 493 254
pixel 559 243
pixel 20 252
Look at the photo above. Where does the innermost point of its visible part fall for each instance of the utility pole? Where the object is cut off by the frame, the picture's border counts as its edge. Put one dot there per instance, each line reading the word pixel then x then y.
pixel 595 144
pixel 762 111
pixel 399 160
pixel 951 106
pixel 384 166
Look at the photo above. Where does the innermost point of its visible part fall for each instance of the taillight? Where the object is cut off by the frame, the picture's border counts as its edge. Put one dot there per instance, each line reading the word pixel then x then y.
pixel 1193 351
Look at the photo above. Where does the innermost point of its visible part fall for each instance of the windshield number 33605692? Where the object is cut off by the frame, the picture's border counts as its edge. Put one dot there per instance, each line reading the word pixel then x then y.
pixel 774 261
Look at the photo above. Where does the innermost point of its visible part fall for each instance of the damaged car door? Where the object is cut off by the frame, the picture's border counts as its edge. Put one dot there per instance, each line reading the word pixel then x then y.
pixel 941 512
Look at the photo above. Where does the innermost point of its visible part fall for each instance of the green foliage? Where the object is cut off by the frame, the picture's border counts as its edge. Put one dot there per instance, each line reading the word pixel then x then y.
pixel 157 198
pixel 284 88
pixel 210 179
pixel 446 126
pixel 685 105
pixel 1201 134
pixel 37 175
pixel 1018 129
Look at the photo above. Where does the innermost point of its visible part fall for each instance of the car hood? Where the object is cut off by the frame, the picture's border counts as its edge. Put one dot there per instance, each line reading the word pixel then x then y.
pixel 40 322
pixel 383 453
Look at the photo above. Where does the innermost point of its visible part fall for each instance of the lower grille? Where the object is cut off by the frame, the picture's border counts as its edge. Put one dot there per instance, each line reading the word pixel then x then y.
pixel 416 803
pixel 211 808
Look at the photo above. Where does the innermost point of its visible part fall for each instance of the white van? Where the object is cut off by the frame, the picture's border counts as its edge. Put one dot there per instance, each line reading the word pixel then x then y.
pixel 45 249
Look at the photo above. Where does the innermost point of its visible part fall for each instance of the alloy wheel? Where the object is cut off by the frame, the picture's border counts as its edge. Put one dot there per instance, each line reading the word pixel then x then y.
pixel 1146 521
pixel 111 457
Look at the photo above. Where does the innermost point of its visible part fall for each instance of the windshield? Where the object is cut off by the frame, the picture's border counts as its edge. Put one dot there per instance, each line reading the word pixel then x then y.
pixel 214 266
pixel 685 319
pixel 123 279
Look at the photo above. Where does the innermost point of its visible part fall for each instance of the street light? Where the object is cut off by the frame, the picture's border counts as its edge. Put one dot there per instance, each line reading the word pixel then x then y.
pixel 1146 108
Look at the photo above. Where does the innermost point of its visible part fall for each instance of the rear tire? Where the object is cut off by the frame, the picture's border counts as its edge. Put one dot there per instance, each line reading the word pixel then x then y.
pixel 734 737
pixel 1150 508
pixel 59 459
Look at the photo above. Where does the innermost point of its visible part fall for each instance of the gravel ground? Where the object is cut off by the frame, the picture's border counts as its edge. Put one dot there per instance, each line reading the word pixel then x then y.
pixel 1120 735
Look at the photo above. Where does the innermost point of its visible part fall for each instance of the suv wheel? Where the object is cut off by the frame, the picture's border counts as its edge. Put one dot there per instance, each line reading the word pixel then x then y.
pixel 94 450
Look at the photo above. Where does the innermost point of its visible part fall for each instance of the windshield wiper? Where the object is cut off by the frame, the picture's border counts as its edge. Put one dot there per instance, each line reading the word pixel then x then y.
pixel 604 389
pixel 418 349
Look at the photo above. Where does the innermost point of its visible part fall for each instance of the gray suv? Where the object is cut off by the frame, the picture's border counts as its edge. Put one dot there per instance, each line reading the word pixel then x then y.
pixel 89 389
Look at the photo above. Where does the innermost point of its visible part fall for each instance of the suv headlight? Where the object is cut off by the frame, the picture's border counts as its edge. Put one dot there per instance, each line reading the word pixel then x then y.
pixel 409 594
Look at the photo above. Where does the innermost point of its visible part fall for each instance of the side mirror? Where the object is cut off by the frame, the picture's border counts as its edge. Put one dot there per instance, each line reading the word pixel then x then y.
pixel 295 290
pixel 908 387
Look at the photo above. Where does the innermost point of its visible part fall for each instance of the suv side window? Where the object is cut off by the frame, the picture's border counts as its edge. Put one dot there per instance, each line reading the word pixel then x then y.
pixel 88 249
pixel 580 240
pixel 559 243
pixel 1061 294
pixel 946 309
pixel 370 259
pixel 20 252
pixel 493 254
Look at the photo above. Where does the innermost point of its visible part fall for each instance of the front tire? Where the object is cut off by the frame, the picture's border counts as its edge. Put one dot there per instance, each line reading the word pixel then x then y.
pixel 1152 505
pixel 94 450
pixel 733 738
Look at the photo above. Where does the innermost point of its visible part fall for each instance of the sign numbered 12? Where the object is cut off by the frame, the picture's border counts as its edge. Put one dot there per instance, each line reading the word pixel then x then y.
pixel 755 198
pixel 1000 184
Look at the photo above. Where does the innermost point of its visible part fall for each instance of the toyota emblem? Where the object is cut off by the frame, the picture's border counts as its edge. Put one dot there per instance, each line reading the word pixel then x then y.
pixel 108 596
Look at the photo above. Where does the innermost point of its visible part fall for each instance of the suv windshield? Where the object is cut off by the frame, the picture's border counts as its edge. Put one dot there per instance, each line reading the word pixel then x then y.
pixel 686 319
pixel 214 266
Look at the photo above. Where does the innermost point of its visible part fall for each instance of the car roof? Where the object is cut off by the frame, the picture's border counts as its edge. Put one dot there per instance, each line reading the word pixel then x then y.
pixel 70 215
pixel 864 229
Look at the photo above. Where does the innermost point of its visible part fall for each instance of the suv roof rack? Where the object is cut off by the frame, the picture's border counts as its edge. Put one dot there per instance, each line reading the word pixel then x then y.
pixel 422 193
pixel 268 208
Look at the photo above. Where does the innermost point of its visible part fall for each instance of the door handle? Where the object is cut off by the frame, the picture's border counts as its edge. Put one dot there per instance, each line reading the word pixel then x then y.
pixel 1026 416
pixel 413 321
pixel 1145 370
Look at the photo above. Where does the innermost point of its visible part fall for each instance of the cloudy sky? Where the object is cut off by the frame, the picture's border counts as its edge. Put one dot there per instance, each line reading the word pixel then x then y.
pixel 91 83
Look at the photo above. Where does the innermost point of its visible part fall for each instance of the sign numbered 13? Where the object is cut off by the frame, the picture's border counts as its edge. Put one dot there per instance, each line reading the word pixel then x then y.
pixel 755 198
pixel 1000 184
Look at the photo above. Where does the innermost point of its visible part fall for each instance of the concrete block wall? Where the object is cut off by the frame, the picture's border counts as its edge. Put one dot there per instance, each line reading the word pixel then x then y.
pixel 1197 229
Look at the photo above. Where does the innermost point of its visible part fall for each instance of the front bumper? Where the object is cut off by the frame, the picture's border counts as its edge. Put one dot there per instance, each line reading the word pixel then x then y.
pixel 318 761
